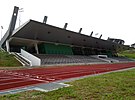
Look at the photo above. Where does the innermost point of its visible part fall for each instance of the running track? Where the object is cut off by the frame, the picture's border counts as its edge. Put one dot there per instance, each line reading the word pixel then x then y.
pixel 10 79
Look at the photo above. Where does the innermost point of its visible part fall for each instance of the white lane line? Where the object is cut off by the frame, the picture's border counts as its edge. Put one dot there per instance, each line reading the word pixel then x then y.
pixel 24 76
pixel 51 79
pixel 14 82
pixel 9 79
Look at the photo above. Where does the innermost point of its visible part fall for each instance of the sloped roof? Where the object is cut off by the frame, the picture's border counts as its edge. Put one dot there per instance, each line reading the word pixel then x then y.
pixel 37 31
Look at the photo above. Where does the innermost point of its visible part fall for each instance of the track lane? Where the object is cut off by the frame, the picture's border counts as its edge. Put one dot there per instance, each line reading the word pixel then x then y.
pixel 27 77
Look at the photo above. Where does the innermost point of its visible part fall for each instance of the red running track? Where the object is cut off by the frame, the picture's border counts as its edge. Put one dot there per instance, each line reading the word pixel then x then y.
pixel 10 79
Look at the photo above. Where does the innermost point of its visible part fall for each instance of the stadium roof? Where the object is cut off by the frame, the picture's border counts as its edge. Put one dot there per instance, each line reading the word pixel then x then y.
pixel 33 31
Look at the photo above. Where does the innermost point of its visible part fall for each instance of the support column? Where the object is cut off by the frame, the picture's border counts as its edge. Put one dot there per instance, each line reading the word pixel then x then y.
pixel 36 48
pixel 83 51
pixel 7 46
pixel 65 26
pixel 80 30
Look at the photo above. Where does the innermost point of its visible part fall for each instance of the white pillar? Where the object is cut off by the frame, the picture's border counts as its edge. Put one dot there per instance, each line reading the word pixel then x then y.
pixel 36 48
pixel 7 46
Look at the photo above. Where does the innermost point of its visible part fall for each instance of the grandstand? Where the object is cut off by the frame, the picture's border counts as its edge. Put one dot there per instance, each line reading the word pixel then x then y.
pixel 46 44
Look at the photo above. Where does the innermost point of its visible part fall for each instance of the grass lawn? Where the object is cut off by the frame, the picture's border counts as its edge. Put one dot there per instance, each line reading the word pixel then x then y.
pixel 128 53
pixel 8 60
pixel 112 86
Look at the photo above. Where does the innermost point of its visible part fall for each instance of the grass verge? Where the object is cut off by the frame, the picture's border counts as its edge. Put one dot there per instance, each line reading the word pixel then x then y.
pixel 8 60
pixel 128 53
pixel 112 86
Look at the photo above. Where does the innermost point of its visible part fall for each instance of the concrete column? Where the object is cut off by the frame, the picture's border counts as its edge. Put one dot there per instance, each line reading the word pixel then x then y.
pixel 65 26
pixel 80 30
pixel 91 33
pixel 45 19
pixel 36 48
pixel 7 46
pixel 83 51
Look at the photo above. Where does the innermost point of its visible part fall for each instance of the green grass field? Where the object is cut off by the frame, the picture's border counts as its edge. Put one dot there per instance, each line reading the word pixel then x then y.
pixel 128 53
pixel 8 60
pixel 112 86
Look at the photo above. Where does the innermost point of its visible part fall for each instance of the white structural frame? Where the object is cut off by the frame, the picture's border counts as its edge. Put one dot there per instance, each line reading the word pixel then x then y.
pixel 35 61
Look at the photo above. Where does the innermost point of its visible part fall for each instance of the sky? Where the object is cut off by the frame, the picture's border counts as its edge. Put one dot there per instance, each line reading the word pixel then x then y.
pixel 111 18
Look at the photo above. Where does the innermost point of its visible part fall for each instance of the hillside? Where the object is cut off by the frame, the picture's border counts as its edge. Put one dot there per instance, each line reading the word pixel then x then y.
pixel 8 60
pixel 128 53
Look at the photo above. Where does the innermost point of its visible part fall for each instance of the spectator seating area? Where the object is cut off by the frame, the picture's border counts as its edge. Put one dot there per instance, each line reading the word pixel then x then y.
pixel 67 59
pixel 47 59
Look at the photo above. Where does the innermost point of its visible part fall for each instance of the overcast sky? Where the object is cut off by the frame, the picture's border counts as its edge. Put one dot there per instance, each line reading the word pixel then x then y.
pixel 111 18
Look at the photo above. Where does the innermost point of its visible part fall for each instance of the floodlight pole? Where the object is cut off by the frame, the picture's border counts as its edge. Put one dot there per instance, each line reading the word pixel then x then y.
pixel 20 10
pixel 1 32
